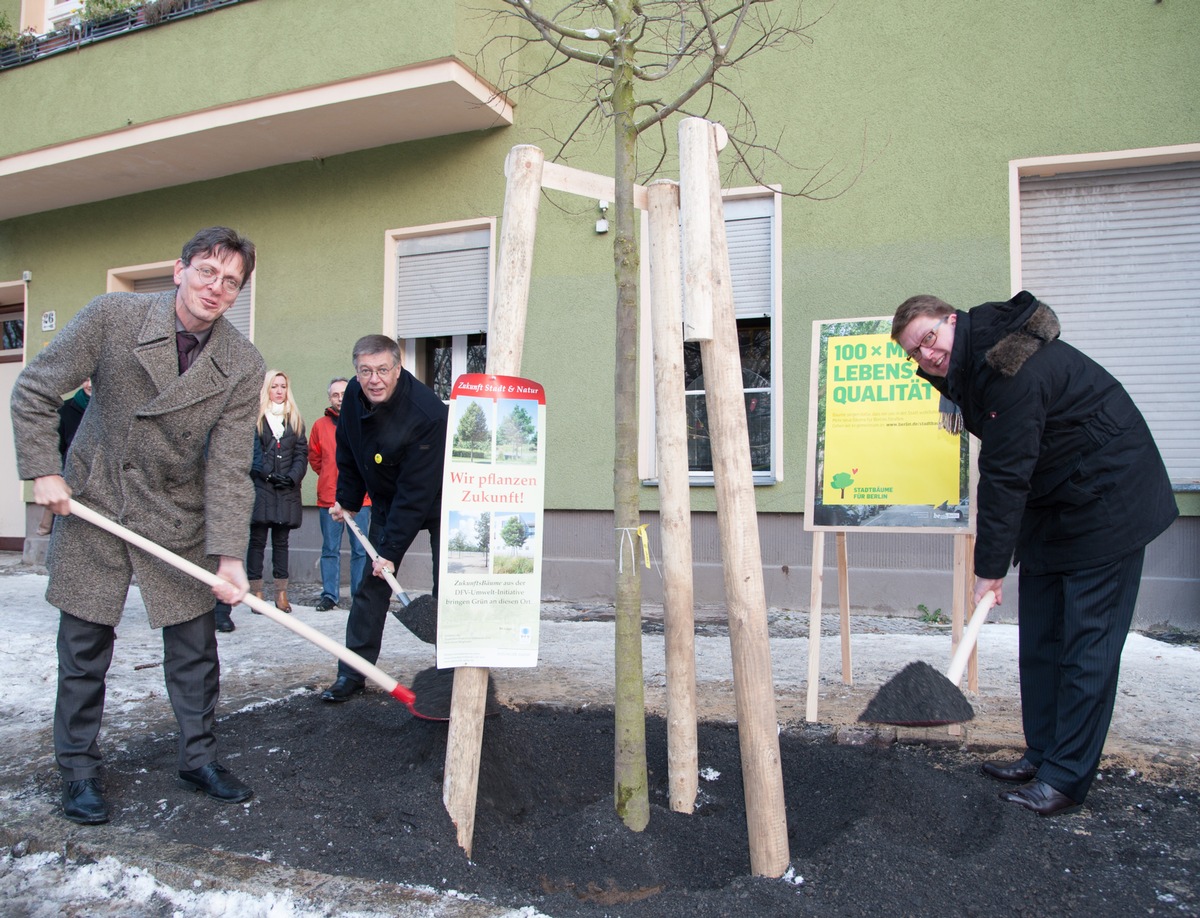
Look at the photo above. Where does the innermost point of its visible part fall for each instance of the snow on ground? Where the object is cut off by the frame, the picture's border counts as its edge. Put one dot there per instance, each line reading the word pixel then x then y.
pixel 47 885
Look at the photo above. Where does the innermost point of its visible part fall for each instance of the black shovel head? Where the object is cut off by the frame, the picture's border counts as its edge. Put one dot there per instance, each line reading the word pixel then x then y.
pixel 918 696
pixel 434 689
pixel 419 617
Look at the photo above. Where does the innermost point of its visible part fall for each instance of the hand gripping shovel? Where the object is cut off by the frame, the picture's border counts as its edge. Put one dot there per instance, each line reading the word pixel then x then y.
pixel 417 615
pixel 920 696
pixel 401 693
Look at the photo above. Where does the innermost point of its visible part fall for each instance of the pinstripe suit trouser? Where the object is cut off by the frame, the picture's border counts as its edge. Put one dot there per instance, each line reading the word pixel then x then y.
pixel 1073 627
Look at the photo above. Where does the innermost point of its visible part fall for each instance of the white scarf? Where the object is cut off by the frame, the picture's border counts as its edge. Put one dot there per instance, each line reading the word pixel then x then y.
pixel 275 418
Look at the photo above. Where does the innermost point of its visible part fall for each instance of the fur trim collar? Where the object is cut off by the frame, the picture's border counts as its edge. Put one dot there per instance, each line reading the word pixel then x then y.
pixel 1009 354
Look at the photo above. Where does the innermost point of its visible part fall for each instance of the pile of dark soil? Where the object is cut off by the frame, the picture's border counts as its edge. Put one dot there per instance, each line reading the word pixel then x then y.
pixel 356 789
pixel 918 696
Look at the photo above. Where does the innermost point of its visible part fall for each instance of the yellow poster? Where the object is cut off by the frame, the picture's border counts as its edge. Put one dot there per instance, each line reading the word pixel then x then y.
pixel 885 448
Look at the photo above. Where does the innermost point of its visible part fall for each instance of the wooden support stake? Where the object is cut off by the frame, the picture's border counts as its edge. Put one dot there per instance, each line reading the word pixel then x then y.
pixel 844 607
pixel 737 518
pixel 675 516
pixel 815 597
pixel 696 190
pixel 506 340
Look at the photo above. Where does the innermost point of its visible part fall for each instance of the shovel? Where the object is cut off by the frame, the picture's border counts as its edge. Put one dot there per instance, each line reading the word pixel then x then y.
pixel 417 615
pixel 920 696
pixel 429 711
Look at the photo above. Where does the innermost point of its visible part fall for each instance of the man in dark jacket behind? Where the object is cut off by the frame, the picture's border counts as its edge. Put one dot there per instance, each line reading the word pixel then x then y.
pixel 391 443
pixel 70 415
pixel 1072 488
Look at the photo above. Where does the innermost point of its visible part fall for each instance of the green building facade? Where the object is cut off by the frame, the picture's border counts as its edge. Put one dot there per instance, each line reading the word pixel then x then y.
pixel 912 142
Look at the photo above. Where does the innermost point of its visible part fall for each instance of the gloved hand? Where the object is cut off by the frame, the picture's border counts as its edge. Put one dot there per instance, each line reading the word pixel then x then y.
pixel 282 482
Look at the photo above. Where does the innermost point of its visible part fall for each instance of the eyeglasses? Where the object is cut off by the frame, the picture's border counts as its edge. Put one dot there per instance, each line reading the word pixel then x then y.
pixel 366 373
pixel 208 277
pixel 927 341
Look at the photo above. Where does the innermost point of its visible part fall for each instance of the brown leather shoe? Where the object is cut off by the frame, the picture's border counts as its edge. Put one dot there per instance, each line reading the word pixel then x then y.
pixel 1041 798
pixel 1017 772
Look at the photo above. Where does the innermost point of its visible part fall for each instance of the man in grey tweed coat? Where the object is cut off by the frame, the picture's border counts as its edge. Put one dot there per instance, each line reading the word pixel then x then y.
pixel 164 448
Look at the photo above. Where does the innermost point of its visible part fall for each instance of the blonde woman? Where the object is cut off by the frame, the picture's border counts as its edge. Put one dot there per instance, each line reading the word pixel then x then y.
pixel 280 461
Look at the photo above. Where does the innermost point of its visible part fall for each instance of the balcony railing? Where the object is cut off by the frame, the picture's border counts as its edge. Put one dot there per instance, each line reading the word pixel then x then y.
pixel 29 48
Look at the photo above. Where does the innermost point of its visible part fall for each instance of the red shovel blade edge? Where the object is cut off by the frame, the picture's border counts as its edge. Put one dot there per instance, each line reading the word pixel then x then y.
pixel 432 693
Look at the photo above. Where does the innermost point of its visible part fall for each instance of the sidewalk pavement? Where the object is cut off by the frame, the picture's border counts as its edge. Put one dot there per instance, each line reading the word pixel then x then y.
pixel 1158 703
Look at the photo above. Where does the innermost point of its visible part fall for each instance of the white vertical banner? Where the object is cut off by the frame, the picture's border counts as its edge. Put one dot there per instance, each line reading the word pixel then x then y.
pixel 493 497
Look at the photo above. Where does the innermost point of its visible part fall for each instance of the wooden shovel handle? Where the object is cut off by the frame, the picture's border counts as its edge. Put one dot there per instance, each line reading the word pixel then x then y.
pixel 370 550
pixel 958 663
pixel 310 634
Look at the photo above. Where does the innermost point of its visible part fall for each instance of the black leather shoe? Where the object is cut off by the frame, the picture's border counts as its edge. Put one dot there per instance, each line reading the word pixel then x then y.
pixel 82 802
pixel 1017 772
pixel 324 604
pixel 343 689
pixel 223 618
pixel 1041 798
pixel 216 781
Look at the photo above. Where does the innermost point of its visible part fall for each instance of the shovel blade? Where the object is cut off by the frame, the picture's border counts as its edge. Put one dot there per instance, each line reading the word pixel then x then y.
pixel 420 617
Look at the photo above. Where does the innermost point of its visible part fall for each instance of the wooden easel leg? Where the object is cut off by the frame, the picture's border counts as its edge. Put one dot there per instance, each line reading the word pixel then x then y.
pixel 957 605
pixel 844 606
pixel 968 600
pixel 814 626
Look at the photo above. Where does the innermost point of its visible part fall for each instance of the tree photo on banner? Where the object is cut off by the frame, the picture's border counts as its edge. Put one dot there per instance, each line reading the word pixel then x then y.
pixel 489 603
pixel 885 449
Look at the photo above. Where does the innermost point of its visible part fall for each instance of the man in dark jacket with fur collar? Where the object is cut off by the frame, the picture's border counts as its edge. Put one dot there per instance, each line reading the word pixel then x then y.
pixel 1072 488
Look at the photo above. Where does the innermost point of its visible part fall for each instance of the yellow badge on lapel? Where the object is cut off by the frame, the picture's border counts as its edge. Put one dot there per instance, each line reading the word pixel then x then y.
pixel 378 458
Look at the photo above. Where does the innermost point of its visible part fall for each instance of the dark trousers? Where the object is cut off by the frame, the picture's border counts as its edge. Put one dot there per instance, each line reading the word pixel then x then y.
pixel 256 552
pixel 1072 630
pixel 190 668
pixel 369 606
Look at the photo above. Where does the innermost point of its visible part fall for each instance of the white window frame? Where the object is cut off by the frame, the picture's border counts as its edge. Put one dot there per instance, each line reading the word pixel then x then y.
pixel 410 347
pixel 647 448
pixel 1080 163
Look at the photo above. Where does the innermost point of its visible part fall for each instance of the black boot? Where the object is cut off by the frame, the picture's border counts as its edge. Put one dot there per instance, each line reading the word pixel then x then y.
pixel 221 612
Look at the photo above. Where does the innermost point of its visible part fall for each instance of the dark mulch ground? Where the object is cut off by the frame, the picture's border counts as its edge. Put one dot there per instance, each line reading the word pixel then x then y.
pixel 356 789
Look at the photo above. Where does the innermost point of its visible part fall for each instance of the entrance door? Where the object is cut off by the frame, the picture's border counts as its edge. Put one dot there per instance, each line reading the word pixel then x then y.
pixel 12 352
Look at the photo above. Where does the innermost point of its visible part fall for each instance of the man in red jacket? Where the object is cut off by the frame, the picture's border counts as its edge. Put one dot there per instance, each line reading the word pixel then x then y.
pixel 322 456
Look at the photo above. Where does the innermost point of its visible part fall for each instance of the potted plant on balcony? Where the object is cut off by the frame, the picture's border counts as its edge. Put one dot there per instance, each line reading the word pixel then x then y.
pixel 155 11
pixel 105 17
pixel 8 38
pixel 16 47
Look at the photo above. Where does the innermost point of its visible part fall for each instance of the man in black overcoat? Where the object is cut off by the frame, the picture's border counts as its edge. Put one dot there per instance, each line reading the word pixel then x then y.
pixel 1072 488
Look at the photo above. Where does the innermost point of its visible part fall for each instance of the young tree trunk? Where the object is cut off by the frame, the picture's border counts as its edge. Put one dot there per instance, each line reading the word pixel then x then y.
pixel 630 790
